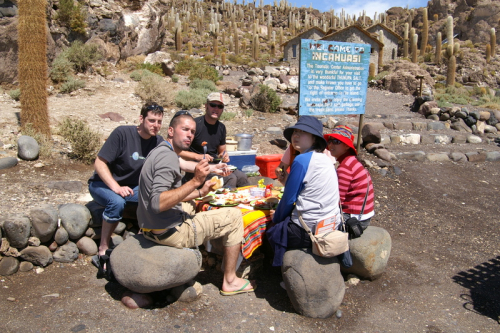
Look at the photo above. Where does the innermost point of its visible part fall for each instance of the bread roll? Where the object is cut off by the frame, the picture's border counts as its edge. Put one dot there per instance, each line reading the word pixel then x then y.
pixel 219 182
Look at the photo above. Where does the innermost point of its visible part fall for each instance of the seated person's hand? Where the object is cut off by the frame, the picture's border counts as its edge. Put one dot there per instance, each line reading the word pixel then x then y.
pixel 201 171
pixel 225 157
pixel 281 173
pixel 207 157
pixel 207 187
pixel 220 169
pixel 271 214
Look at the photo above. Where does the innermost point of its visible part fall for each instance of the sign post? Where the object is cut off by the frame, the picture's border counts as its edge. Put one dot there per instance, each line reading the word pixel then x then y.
pixel 333 78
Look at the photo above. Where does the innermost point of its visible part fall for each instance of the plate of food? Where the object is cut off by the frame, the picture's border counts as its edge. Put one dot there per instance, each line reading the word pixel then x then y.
pixel 232 167
pixel 224 203
pixel 269 203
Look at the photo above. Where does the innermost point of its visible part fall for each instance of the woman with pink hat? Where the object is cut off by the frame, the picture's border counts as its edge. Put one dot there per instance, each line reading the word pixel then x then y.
pixel 355 183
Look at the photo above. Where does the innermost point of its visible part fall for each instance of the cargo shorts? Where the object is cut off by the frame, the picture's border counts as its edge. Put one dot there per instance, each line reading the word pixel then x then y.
pixel 225 223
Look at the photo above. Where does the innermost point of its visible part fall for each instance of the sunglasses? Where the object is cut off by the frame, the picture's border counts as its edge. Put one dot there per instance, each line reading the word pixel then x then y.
pixel 334 141
pixel 154 107
pixel 213 105
pixel 181 113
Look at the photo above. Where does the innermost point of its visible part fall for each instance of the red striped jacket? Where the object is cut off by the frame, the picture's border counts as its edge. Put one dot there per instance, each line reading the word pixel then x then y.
pixel 353 180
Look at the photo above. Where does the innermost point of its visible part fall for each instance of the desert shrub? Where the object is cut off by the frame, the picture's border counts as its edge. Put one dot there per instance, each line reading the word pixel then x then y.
pixel 61 68
pixel 452 95
pixel 428 57
pixel 153 68
pixel 15 94
pixel 227 115
pixel 203 84
pixel 71 85
pixel 248 113
pixel 193 98
pixel 85 143
pixel 184 66
pixel 381 75
pixel 138 74
pixel 175 78
pixel 153 87
pixel 239 59
pixel 42 140
pixel 71 16
pixel 266 100
pixel 131 63
pixel 439 85
pixel 204 72
pixel 82 55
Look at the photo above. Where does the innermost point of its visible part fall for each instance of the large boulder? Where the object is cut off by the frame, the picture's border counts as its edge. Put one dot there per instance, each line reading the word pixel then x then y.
pixel 17 230
pixel 44 222
pixel 75 219
pixel 402 77
pixel 66 253
pixel 8 49
pixel 144 266
pixel 28 148
pixel 314 284
pixel 37 255
pixel 370 253
pixel 371 133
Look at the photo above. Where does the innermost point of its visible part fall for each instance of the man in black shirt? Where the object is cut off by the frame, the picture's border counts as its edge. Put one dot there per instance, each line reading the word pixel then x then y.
pixel 118 166
pixel 210 130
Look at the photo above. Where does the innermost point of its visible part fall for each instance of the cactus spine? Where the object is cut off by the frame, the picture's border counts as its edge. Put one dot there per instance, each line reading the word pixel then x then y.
pixel 414 48
pixel 425 33
pixel 33 65
pixel 438 49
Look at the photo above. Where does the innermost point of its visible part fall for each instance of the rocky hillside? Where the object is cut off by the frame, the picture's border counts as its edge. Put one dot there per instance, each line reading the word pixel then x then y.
pixel 126 28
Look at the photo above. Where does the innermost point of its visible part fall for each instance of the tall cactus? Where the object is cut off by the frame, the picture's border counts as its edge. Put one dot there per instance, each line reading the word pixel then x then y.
pixel 488 53
pixel 178 38
pixel 493 41
pixel 437 57
pixel 405 42
pixel 412 32
pixel 223 59
pixel 414 48
pixel 451 51
pixel 32 43
pixel 425 32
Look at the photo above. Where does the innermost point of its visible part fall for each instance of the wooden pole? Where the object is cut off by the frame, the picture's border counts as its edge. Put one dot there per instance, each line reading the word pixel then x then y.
pixel 360 126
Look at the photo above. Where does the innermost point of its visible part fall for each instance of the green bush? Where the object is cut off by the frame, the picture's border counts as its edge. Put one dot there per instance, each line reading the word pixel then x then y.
pixel 153 87
pixel 138 74
pixel 175 78
pixel 193 98
pixel 204 72
pixel 381 75
pixel 266 100
pixel 227 115
pixel 82 55
pixel 203 84
pixel 15 94
pixel 248 113
pixel 71 85
pixel 184 66
pixel 71 16
pixel 85 143
pixel 61 68
pixel 153 68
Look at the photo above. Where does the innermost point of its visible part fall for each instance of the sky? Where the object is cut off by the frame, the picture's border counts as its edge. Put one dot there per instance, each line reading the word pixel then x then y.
pixel 353 6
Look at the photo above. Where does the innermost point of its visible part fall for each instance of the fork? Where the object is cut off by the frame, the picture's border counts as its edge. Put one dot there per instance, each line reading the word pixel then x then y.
pixel 204 151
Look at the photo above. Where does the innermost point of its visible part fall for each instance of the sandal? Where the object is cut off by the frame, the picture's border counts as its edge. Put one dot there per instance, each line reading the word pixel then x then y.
pixel 239 291
pixel 99 262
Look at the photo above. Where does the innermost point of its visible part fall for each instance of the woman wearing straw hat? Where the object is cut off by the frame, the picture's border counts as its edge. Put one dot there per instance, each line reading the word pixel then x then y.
pixel 311 191
pixel 355 183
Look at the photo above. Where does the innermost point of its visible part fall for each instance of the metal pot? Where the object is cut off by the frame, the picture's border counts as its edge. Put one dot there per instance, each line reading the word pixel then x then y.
pixel 244 141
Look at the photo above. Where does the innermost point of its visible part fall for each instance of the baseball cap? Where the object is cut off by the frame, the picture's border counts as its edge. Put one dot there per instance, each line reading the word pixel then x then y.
pixel 218 97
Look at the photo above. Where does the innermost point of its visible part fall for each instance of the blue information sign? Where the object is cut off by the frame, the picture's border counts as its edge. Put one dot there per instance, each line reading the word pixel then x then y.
pixel 333 77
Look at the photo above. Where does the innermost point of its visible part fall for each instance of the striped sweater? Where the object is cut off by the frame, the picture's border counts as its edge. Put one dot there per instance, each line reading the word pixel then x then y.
pixel 353 180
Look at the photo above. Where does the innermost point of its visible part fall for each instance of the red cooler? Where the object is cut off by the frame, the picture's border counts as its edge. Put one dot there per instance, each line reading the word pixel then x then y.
pixel 267 164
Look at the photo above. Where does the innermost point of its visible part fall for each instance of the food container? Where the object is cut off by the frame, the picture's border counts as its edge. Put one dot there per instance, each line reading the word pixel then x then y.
pixel 242 158
pixel 231 145
pixel 251 170
pixel 244 141
pixel 268 163
pixel 257 191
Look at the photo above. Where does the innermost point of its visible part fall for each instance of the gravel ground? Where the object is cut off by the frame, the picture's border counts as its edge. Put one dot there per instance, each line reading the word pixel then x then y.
pixel 443 274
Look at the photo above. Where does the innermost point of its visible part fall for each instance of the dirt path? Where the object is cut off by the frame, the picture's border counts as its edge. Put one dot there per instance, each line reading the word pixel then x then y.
pixel 443 274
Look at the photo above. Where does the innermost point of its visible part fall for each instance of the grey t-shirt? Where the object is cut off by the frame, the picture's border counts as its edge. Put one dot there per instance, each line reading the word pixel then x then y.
pixel 160 173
